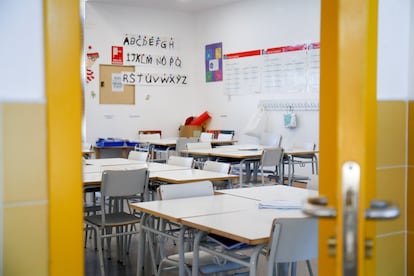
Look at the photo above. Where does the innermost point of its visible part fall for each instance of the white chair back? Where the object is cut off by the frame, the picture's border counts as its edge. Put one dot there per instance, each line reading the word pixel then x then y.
pixel 181 144
pixel 149 137
pixel 181 161
pixel 292 240
pixel 216 166
pixel 206 137
pixel 118 183
pixel 193 189
pixel 272 156
pixel 199 145
pixel 138 155
pixel 270 140
pixel 224 137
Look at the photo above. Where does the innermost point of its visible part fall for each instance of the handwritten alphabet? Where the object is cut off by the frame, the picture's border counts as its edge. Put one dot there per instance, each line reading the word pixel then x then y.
pixel 137 78
pixel 149 41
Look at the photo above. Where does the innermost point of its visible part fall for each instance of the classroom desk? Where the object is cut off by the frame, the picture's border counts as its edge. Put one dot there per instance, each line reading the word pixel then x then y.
pixel 175 210
pixel 93 168
pixel 232 215
pixel 274 192
pixel 112 161
pixel 296 151
pixel 190 175
pixel 235 153
pixel 248 153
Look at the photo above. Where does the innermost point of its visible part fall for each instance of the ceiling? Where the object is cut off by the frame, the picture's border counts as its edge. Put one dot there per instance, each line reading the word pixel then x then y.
pixel 178 5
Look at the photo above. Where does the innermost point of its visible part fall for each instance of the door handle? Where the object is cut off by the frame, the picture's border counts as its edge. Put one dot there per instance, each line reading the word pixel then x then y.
pixel 317 207
pixel 379 209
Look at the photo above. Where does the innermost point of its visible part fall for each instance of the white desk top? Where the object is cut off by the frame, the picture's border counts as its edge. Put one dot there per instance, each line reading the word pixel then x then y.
pixel 190 175
pixel 274 192
pixel 250 226
pixel 177 209
pixel 111 161
pixel 229 215
pixel 227 151
pixel 92 174
pixel 166 142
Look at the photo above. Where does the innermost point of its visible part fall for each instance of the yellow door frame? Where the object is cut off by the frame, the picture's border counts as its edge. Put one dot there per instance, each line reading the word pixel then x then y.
pixel 62 29
pixel 347 118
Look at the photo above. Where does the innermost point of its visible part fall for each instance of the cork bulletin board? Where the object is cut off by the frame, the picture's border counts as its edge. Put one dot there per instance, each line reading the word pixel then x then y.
pixel 111 88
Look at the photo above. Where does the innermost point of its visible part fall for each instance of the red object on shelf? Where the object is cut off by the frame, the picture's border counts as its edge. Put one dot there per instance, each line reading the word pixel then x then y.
pixel 198 121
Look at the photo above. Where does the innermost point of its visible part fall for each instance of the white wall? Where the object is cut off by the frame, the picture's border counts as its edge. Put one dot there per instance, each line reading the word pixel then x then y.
pixel 242 26
pixel 251 25
pixel 394 58
pixel 155 107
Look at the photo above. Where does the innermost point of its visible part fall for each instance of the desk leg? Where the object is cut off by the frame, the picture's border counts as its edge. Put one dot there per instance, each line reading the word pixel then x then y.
pixel 196 252
pixel 97 153
pixel 181 250
pixel 124 153
pixel 141 246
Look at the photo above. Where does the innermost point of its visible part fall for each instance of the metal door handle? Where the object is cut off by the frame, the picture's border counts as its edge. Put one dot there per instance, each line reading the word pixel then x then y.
pixel 317 207
pixel 381 209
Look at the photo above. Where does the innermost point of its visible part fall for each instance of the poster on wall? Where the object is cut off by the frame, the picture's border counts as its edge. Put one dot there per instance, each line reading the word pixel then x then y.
pixel 243 72
pixel 117 55
pixel 292 69
pixel 313 67
pixel 285 69
pixel 214 63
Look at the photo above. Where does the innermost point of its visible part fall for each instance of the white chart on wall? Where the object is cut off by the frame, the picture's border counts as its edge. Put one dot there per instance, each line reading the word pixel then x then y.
pixel 283 70
pixel 242 73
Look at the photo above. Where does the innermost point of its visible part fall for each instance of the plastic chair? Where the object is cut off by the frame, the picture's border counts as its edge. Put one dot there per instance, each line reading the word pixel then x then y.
pixel 174 191
pixel 224 137
pixel 181 161
pixel 271 140
pixel 272 157
pixel 302 159
pixel 181 144
pixel 116 186
pixel 221 167
pixel 138 155
pixel 292 240
pixel 206 137
pixel 156 153
pixel 199 160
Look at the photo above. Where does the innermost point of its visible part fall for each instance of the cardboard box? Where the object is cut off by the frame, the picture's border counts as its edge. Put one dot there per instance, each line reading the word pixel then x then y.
pixel 190 131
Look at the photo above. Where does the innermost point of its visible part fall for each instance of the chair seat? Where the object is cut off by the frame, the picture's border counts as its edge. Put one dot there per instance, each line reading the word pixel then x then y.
pixel 112 220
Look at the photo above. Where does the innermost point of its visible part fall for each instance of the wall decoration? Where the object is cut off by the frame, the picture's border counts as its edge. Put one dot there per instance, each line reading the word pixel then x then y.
pixel 117 55
pixel 159 79
pixel 156 58
pixel 214 63
pixel 91 57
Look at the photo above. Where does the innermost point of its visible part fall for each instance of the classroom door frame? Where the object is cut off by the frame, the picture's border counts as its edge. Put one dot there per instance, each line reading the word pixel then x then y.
pixel 348 123
pixel 58 32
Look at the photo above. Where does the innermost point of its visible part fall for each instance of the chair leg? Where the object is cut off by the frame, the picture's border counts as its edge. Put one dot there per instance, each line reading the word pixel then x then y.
pixel 100 252
pixel 308 264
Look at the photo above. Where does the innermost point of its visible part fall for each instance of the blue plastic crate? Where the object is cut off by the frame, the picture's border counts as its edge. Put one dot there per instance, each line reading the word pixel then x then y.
pixel 109 142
